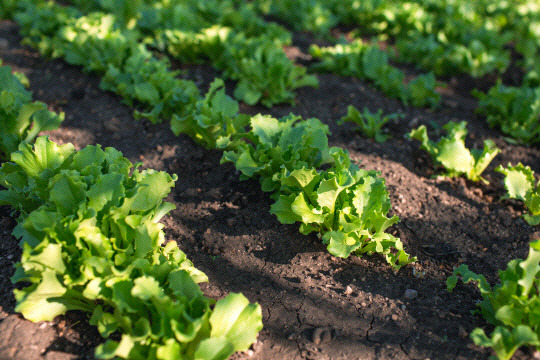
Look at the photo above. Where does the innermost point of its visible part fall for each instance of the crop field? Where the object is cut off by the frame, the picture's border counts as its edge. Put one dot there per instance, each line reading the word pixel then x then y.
pixel 269 179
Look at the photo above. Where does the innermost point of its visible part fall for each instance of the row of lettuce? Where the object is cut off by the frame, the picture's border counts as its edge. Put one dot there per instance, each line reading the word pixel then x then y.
pixel 446 38
pixel 346 206
pixel 238 39
pixel 513 305
pixel 229 35
pixel 88 224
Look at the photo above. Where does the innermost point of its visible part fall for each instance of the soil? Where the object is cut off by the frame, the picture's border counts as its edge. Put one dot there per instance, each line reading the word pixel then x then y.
pixel 315 306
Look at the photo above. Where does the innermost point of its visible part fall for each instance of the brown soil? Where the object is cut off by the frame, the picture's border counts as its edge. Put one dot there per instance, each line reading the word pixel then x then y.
pixel 315 306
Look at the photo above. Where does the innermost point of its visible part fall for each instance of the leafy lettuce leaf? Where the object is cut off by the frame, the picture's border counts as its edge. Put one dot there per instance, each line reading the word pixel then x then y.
pixel 22 119
pixel 512 306
pixel 450 151
pixel 520 184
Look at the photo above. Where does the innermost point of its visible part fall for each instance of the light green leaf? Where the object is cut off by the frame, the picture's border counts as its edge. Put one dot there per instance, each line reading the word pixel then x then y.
pixel 153 187
pixel 518 181
pixel 146 92
pixel 51 257
pixel 105 322
pixel 341 244
pixel 245 92
pixel 43 120
pixel 45 155
pixel 67 193
pixel 247 165
pixel 182 284
pixel 214 348
pixel 265 128
pixel 305 179
pixel 307 212
pixel 35 303
pixel 237 320
pixel 531 270
pixel 327 194
pixel 124 347
pixel 453 155
pixel 146 288
pixel 282 208
pixel 107 191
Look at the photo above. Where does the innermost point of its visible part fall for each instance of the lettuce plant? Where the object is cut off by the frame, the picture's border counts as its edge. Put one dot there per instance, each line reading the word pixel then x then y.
pixel 6 8
pixel 367 61
pixel 450 151
pixel 289 143
pixel 515 110
pixel 344 205
pixel 22 119
pixel 520 184
pixel 421 91
pixel 91 241
pixel 370 124
pixel 512 306
pixel 214 121
pixel 233 39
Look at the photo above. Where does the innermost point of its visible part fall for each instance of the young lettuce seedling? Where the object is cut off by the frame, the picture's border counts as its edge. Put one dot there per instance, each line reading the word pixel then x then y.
pixel 370 124
pixel 519 182
pixel 511 306
pixel 450 151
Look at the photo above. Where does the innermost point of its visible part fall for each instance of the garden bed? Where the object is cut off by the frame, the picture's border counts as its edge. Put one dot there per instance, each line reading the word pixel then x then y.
pixel 315 306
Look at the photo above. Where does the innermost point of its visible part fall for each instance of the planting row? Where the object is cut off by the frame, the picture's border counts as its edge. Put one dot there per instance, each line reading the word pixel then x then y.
pixel 443 37
pixel 88 227
pixel 232 38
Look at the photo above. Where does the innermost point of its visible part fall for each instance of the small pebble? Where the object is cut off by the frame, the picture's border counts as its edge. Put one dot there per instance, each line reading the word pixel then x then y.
pixel 321 335
pixel 411 294
pixel 348 290
pixel 414 122
pixel 462 332
pixel 257 346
